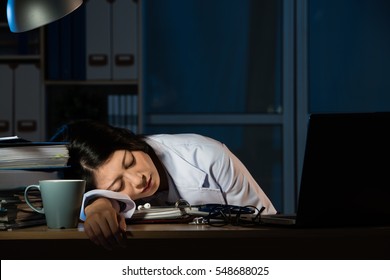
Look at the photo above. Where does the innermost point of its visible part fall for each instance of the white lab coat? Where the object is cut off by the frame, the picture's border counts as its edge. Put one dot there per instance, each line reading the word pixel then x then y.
pixel 200 170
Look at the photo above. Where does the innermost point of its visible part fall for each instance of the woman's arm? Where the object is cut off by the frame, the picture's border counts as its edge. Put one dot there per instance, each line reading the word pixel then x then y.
pixel 237 182
pixel 103 224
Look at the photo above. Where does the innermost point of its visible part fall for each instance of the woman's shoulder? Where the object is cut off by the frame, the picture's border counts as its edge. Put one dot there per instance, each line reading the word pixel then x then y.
pixel 183 139
pixel 188 145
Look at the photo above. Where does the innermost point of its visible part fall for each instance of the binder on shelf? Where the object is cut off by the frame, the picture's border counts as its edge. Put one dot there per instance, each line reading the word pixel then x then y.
pixel 110 109
pixel 20 106
pixel 66 48
pixel 27 106
pixel 6 114
pixel 98 40
pixel 124 48
pixel 113 109
pixel 78 43
pixel 122 111
pixel 129 110
pixel 134 113
pixel 53 53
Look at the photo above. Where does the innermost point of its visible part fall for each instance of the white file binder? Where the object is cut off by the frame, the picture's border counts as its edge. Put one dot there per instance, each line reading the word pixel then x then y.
pixel 6 107
pixel 28 102
pixel 98 42
pixel 124 45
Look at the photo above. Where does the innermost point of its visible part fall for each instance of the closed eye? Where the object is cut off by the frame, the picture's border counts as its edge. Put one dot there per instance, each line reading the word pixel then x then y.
pixel 128 160
pixel 122 186
pixel 117 182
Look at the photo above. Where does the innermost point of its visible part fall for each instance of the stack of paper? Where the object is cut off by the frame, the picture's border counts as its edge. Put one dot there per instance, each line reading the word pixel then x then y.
pixel 21 154
pixel 15 213
pixel 24 163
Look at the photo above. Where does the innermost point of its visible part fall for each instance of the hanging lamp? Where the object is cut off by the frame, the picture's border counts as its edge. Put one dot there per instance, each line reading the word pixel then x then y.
pixel 25 15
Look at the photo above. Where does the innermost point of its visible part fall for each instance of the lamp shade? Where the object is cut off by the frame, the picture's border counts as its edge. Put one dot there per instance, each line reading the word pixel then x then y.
pixel 24 15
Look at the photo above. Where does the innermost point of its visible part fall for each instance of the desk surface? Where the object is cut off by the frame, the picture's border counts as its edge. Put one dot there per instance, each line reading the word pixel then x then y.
pixel 219 242
pixel 139 231
pixel 169 231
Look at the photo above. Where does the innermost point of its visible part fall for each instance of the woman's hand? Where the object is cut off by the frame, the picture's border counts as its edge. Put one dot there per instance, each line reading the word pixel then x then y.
pixel 104 225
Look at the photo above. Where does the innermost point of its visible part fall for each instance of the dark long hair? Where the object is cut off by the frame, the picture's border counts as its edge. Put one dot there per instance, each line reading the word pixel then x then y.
pixel 91 143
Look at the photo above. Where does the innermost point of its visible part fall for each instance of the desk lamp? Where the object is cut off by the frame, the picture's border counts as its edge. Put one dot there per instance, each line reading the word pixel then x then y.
pixel 24 15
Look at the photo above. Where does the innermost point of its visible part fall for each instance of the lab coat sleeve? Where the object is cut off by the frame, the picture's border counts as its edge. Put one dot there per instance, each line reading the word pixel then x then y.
pixel 238 184
pixel 127 212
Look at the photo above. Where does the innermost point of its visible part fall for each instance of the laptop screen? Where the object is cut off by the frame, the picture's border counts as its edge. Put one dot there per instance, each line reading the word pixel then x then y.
pixel 346 170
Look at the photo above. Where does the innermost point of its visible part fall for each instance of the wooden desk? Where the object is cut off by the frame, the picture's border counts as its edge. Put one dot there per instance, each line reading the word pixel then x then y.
pixel 183 241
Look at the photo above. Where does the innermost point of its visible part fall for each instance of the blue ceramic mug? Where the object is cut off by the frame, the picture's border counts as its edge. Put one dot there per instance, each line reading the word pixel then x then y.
pixel 61 200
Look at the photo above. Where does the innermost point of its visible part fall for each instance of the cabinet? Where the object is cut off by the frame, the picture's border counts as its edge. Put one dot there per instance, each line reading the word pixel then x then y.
pixel 111 39
pixel 21 86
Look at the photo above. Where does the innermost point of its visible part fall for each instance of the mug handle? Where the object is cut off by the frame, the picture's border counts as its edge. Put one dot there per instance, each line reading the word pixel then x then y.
pixel 39 210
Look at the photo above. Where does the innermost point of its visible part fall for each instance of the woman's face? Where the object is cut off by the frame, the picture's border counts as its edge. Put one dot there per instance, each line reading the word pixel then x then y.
pixel 132 173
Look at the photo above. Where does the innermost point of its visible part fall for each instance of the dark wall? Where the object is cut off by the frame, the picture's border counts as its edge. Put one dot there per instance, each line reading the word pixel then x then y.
pixel 349 55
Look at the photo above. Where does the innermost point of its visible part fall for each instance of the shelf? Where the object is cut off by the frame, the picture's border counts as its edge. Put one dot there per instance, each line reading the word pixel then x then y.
pixel 19 58
pixel 90 82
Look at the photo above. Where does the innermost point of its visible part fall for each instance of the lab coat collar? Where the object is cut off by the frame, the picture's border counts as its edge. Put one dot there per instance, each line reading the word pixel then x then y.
pixel 181 171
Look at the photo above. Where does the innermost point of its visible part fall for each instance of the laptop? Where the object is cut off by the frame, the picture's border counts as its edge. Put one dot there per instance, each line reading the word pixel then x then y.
pixel 346 173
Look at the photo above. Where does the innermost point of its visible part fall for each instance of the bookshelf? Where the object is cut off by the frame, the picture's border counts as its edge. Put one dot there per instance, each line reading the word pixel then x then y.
pixel 91 65
pixel 84 65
